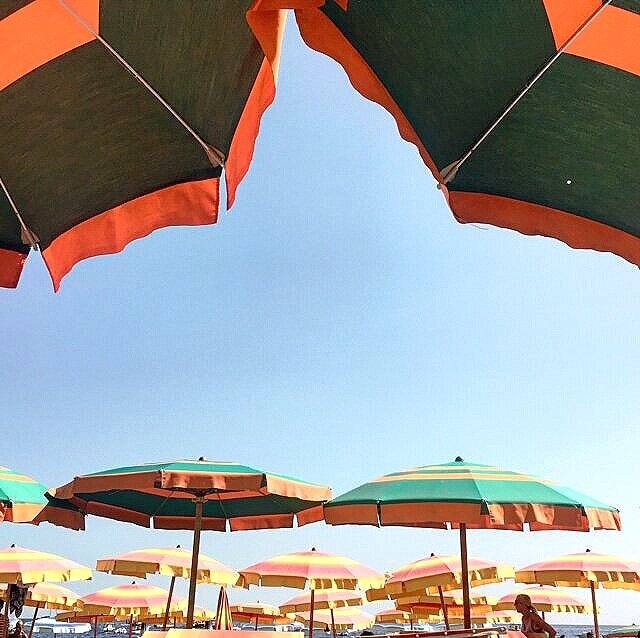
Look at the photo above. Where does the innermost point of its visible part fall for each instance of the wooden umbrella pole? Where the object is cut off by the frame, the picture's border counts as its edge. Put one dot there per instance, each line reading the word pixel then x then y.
pixel 95 627
pixel 166 610
pixel 130 625
pixel 256 627
pixel 311 613
pixel 197 526
pixel 333 623
pixel 33 620
pixel 465 576
pixel 443 606
pixel 596 627
pixel 6 614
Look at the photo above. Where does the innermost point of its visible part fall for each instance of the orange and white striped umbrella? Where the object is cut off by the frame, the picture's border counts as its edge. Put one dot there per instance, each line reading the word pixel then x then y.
pixel 585 569
pixel 313 570
pixel 127 601
pixel 444 572
pixel 322 599
pixel 545 598
pixel 170 561
pixel 343 618
pixel 24 566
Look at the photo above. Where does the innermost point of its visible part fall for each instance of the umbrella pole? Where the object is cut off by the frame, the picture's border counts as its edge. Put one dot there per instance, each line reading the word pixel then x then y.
pixel 197 525
pixel 443 606
pixel 33 620
pixel 333 624
pixel 256 627
pixel 130 625
pixel 411 622
pixel 6 615
pixel 596 627
pixel 95 627
pixel 313 592
pixel 166 611
pixel 465 576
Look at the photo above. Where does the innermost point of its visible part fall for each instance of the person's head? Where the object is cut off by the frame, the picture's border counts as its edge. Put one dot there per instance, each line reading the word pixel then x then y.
pixel 19 624
pixel 522 603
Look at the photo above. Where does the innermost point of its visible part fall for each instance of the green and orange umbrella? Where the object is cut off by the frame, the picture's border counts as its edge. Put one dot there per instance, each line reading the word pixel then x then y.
pixel 524 112
pixel 196 494
pixel 169 561
pixel 469 495
pixel 187 82
pixel 586 569
pixel 312 570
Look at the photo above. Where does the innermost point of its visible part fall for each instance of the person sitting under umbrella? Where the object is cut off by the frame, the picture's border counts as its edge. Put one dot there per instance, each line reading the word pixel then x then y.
pixel 533 626
pixel 18 631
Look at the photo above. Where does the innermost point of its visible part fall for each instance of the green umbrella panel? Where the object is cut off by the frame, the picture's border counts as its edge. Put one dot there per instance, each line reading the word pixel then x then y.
pixel 197 494
pixel 525 112
pixel 469 495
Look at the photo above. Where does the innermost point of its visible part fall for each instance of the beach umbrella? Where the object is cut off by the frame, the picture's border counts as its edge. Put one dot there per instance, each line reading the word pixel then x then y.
pixel 546 599
pixel 224 620
pixel 343 618
pixel 482 618
pixel 171 561
pixel 48 596
pixel 469 495
pixel 202 494
pixel 116 120
pixel 312 570
pixel 524 112
pixel 20 567
pixel 24 500
pixel 259 613
pixel 393 615
pixel 586 569
pixel 128 602
pixel 322 599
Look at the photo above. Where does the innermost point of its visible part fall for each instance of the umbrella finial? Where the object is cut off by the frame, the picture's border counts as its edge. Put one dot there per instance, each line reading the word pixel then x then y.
pixel 459 459
pixel 202 458
pixel 313 549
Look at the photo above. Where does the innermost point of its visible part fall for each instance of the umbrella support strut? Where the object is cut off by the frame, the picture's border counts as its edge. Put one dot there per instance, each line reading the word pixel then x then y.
pixel 465 576
pixel 166 611
pixel 596 626
pixel 33 620
pixel 443 606
pixel 313 592
pixel 197 526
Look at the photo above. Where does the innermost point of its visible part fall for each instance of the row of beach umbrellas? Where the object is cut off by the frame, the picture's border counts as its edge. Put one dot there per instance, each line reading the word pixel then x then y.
pixel 331 580
pixel 212 495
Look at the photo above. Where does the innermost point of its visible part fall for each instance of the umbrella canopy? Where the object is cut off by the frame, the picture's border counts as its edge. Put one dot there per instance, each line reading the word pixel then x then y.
pixel 258 612
pixel 124 117
pixel 197 494
pixel 484 617
pixel 125 601
pixel 514 107
pixel 168 561
pixel 49 595
pixel 393 615
pixel 313 569
pixel 322 599
pixel 586 569
pixel 462 494
pixel 180 615
pixel 344 618
pixel 22 566
pixel 546 599
pixel 445 572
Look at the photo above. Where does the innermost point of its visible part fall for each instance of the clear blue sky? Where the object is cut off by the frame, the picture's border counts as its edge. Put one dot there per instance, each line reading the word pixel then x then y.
pixel 336 325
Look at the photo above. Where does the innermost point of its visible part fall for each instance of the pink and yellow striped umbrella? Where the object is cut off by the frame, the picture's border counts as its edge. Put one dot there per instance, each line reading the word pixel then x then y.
pixel 393 615
pixel 322 599
pixel 313 570
pixel 22 566
pixel 259 613
pixel 586 569
pixel 129 601
pixel 545 598
pixel 343 618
